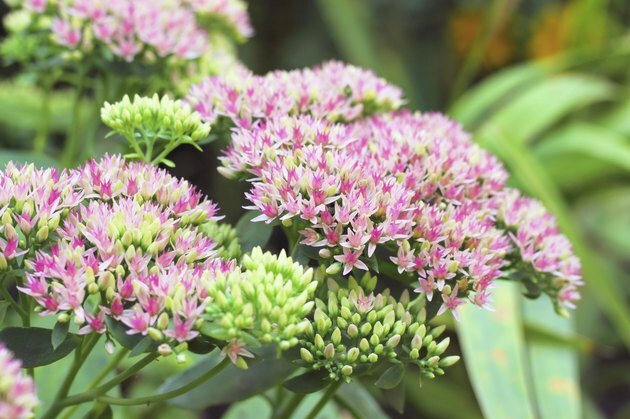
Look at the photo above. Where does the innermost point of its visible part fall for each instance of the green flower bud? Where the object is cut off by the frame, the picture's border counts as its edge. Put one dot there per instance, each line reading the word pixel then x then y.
pixel 346 370
pixel 329 351
pixel 336 336
pixel 441 347
pixel 334 268
pixel 448 361
pixel 306 355
pixel 352 355
pixel 155 334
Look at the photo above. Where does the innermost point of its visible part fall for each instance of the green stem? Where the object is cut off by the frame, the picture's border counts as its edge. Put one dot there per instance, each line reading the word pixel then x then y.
pixel 169 394
pixel 80 357
pixel 18 309
pixel 169 147
pixel 289 408
pixel 351 409
pixel 330 391
pixel 113 363
pixel 98 391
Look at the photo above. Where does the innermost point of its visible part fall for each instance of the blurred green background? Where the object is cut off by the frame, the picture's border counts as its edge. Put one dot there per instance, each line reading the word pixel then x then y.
pixel 543 84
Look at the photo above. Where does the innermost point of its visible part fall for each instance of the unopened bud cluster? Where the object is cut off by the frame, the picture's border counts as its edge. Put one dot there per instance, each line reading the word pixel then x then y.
pixel 224 235
pixel 356 332
pixel 266 301
pixel 153 124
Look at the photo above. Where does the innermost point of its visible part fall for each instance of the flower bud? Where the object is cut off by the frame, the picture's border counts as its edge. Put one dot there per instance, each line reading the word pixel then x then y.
pixel 306 355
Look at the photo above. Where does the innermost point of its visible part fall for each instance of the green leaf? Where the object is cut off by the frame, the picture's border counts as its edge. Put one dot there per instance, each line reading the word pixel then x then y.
pixel 396 397
pixel 231 384
pixel 360 401
pixel 590 140
pixel 143 346
pixel 33 345
pixel 435 398
pixel 252 234
pixel 309 382
pixel 391 377
pixel 483 99
pixel 531 113
pixel 253 408
pixel 119 332
pixel 618 120
pixel 59 334
pixel 25 157
pixel 554 367
pixel 4 305
pixel 493 350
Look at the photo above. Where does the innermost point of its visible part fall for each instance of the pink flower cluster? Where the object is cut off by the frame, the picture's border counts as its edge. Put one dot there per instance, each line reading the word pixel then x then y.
pixel 144 269
pixel 332 91
pixel 130 28
pixel 112 177
pixel 18 397
pixel 120 241
pixel 535 233
pixel 32 202
pixel 406 188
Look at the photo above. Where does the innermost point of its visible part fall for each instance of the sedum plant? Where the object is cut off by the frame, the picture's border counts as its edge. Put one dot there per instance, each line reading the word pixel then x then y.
pixel 393 220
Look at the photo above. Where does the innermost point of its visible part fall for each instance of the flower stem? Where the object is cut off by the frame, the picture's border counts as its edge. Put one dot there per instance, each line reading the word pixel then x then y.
pixel 18 309
pixel 330 391
pixel 168 395
pixel 289 408
pixel 113 363
pixel 80 356
pixel 98 391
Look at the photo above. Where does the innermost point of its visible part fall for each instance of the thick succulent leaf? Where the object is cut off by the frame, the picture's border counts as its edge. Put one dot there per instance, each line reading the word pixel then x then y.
pixel 493 348
pixel 309 382
pixel 231 384
pixel 33 345
pixel 360 401
pixel 252 234
pixel 435 398
pixel 554 366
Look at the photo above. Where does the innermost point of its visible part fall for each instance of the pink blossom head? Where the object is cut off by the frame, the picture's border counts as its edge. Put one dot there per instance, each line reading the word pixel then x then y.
pixel 112 177
pixel 18 397
pixel 130 262
pixel 404 188
pixel 142 30
pixel 33 201
pixel 333 91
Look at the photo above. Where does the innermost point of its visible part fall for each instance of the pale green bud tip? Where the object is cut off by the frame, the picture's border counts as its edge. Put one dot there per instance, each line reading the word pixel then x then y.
pixel 448 361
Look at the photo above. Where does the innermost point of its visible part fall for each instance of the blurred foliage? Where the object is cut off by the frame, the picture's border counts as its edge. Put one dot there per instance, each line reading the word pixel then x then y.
pixel 546 86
